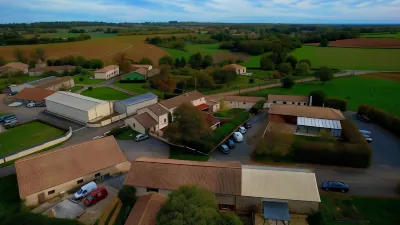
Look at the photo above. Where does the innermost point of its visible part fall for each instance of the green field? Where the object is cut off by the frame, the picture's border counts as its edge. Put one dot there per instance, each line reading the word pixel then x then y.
pixel 255 60
pixel 355 90
pixel 204 49
pixel 262 74
pixel 139 88
pixel 350 58
pixel 105 93
pixel 86 79
pixel 27 135
pixel 380 35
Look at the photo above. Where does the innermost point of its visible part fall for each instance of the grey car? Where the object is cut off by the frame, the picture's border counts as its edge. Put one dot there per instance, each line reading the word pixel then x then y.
pixel 141 137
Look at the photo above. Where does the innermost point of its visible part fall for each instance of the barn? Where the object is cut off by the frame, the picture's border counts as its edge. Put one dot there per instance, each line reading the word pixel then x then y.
pixel 131 105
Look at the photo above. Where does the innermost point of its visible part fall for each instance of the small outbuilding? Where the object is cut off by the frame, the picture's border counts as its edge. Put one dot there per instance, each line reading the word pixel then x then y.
pixel 240 70
pixel 288 100
pixel 14 67
pixel 107 72
pixel 242 102
pixel 130 106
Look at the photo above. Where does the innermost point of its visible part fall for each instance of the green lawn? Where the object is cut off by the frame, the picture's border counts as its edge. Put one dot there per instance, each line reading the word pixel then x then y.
pixel 350 58
pixel 204 49
pixel 380 35
pixel 178 53
pixel 228 113
pixel 255 60
pixel 106 93
pixel 263 74
pixel 127 135
pixel 86 79
pixel 76 88
pixel 23 79
pixel 356 90
pixel 139 88
pixel 27 135
pixel 184 154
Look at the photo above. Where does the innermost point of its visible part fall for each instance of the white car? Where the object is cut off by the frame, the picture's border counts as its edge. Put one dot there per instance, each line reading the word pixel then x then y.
pixel 238 136
pixel 15 104
pixel 31 105
pixel 141 137
pixel 242 130
pixel 97 137
pixel 367 138
pixel 365 132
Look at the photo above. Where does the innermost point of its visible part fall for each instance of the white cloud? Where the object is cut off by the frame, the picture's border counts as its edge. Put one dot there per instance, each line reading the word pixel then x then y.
pixel 363 4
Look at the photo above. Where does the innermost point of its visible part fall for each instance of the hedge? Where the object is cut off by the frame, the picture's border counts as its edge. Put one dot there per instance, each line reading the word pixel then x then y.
pixel 132 81
pixel 336 103
pixel 258 106
pixel 382 118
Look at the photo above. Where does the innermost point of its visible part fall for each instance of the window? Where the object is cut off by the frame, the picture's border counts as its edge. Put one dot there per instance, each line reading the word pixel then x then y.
pixel 305 103
pixel 51 192
pixel 298 103
pixel 165 120
pixel 294 103
pixel 97 175
pixel 284 103
pixel 274 102
pixel 80 181
pixel 244 103
pixel 152 190
pixel 133 124
pixel 224 206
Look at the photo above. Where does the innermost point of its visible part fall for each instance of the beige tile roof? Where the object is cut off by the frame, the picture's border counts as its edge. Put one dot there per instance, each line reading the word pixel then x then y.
pixel 136 66
pixel 169 174
pixel 145 210
pixel 33 94
pixel 42 171
pixel 157 109
pixel 306 111
pixel 146 120
pixel 178 100
pixel 142 71
pixel 211 102
pixel 235 66
pixel 16 65
pixel 57 81
pixel 243 99
pixel 52 68
pixel 279 183
pixel 288 98
pixel 107 68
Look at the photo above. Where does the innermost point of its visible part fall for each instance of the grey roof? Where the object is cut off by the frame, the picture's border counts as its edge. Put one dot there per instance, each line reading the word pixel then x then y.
pixel 138 99
pixel 323 123
pixel 276 211
pixel 75 100
pixel 42 81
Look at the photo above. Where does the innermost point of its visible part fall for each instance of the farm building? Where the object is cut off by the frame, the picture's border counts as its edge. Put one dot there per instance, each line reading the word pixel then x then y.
pixel 142 123
pixel 77 107
pixel 47 175
pixel 49 83
pixel 194 97
pixel 145 210
pixel 107 72
pixel 240 70
pixel 33 95
pixel 308 120
pixel 158 113
pixel 213 106
pixel 14 67
pixel 58 69
pixel 245 189
pixel 131 105
pixel 242 102
pixel 287 100
pixel 138 66
pixel 212 121
pixel 40 64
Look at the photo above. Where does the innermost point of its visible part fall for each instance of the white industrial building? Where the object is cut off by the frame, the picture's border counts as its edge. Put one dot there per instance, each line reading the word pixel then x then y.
pixel 131 105
pixel 77 107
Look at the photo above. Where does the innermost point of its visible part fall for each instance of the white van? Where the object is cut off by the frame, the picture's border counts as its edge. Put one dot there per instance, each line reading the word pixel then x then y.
pixel 85 189
pixel 242 130
pixel 238 136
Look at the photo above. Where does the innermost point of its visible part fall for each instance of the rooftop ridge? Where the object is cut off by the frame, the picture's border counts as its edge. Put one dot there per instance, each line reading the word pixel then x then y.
pixel 197 164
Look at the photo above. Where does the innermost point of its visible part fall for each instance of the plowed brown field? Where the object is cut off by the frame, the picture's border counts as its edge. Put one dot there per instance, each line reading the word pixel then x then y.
pixel 366 43
pixel 105 48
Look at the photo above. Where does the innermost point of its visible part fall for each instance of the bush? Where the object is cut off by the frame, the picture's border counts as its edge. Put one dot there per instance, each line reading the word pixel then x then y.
pixel 350 132
pixel 127 195
pixel 81 78
pixel 116 131
pixel 90 88
pixel 251 80
pixel 336 104
pixel 287 81
pixel 131 81
pixel 316 219
pixel 382 118
pixel 276 75
pixel 285 68
pixel 257 107
pixel 169 95
pixel 318 97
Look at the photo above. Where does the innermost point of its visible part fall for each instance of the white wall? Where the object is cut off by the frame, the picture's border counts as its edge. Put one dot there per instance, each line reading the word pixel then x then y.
pixel 66 111
pixel 107 75
pixel 269 103
pixel 162 120
pixel 199 101
pixel 135 125
pixel 240 105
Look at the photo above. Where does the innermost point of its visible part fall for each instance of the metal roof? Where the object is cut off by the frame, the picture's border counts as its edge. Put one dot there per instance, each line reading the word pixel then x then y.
pixel 75 100
pixel 276 211
pixel 139 98
pixel 323 123
pixel 42 81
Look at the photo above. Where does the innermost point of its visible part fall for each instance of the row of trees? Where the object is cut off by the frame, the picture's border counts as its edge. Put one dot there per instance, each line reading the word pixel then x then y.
pixel 42 40
pixel 196 61
pixel 289 65
pixel 323 74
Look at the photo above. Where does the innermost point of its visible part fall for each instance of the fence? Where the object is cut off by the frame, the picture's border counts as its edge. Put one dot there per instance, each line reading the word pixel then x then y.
pixel 36 148
pixel 105 122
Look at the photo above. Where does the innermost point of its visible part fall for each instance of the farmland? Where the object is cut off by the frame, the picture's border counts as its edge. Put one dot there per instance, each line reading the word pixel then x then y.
pixel 379 93
pixel 381 35
pixel 350 58
pixel 67 35
pixel 365 43
pixel 105 93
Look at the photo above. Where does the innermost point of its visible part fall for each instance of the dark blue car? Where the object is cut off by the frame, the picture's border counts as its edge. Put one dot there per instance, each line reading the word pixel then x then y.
pixel 5 117
pixel 335 186
pixel 230 143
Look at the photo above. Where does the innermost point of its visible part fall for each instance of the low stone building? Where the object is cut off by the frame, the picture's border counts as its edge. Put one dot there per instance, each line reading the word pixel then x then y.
pixel 14 67
pixel 58 69
pixel 131 105
pixel 46 175
pixel 107 72
pixel 288 100
pixel 242 102
pixel 240 70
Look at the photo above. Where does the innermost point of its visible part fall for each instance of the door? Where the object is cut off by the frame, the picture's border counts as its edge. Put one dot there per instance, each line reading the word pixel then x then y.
pixel 41 198
pixel 105 177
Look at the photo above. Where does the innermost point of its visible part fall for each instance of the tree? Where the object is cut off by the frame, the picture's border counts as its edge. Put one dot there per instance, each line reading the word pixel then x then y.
pixel 40 54
pixel 177 63
pixel 163 81
pixel 278 57
pixel 193 205
pixel 324 74
pixel 79 61
pixel 208 61
pixel 306 61
pixel 318 98
pixel 285 68
pixel 196 61
pixel 166 60
pixel 20 55
pixel 324 43
pixel 287 81
pixel 266 63
pixel 123 62
pixel 183 62
pixel 2 61
pixel 127 195
pixel 302 69
pixel 292 60
pixel 223 76
pixel 146 61
pixel 95 64
pixel 189 125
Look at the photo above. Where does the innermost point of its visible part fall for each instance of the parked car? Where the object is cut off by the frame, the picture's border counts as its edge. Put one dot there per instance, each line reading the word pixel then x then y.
pixel 367 138
pixel 365 132
pixel 230 143
pixel 85 190
pixel 15 104
pixel 13 93
pixel 224 149
pixel 141 137
pixel 238 136
pixel 11 123
pixel 247 125
pixel 31 105
pixel 242 130
pixel 363 118
pixel 95 196
pixel 5 117
pixel 335 186
pixel 40 104
pixel 10 119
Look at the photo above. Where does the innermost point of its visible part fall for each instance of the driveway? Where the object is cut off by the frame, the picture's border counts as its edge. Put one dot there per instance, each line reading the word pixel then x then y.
pixel 151 147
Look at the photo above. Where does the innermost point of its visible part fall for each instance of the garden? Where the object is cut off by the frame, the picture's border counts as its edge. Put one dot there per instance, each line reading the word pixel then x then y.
pixel 86 79
pixel 105 93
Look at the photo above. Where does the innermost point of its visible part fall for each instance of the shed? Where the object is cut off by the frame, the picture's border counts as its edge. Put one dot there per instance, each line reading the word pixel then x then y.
pixel 131 105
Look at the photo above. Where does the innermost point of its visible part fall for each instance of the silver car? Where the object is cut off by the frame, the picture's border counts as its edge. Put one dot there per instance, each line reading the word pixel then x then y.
pixel 141 137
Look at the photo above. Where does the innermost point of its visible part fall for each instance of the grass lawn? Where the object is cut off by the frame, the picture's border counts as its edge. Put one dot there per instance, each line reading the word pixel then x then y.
pixel 127 135
pixel 255 60
pixel 76 88
pixel 178 53
pixel 228 113
pixel 106 93
pixel 380 35
pixel 376 210
pixel 86 79
pixel 262 74
pixel 355 90
pixel 27 135
pixel 204 49
pixel 139 88
pixel 350 58
pixel 23 79
pixel 184 154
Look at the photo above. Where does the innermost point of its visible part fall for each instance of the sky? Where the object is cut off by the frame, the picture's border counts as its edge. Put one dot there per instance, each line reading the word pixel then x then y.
pixel 229 11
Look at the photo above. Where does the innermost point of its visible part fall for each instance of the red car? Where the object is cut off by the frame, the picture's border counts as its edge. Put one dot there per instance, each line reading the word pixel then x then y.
pixel 95 196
